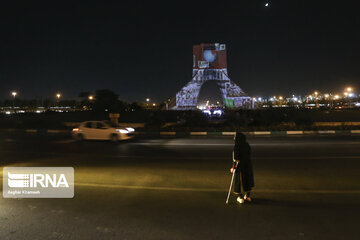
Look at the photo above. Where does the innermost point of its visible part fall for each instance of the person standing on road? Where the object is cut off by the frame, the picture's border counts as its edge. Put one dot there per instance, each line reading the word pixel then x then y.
pixel 244 177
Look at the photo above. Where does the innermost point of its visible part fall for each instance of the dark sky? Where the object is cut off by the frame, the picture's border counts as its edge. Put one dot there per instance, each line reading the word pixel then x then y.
pixel 143 49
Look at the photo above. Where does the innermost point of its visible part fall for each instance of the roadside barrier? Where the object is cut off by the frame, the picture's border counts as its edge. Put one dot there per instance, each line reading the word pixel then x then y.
pixel 179 134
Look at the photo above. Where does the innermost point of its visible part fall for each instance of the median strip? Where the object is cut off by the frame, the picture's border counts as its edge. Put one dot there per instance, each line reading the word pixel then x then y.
pixel 31 130
pixel 261 133
pixel 229 133
pixel 168 133
pixel 294 132
pixel 200 133
pixel 327 132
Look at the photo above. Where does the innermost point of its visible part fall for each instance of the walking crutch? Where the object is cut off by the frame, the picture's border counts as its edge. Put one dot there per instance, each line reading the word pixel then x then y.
pixel 232 180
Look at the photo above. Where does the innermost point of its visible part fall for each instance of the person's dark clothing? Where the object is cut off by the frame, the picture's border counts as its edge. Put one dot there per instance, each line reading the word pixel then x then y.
pixel 244 177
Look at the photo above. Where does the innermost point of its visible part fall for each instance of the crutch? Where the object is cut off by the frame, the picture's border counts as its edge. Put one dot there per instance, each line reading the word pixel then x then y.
pixel 232 180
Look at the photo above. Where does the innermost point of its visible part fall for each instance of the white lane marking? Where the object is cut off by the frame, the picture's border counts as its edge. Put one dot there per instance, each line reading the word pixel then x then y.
pixel 183 189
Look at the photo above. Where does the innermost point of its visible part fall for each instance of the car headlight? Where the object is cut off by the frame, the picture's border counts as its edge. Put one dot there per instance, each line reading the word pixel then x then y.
pixel 129 129
pixel 123 131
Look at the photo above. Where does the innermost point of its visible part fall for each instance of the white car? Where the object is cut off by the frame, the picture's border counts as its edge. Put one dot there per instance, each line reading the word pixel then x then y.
pixel 99 130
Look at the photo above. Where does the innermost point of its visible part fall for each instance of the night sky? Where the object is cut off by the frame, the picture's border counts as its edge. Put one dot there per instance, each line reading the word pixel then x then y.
pixel 143 49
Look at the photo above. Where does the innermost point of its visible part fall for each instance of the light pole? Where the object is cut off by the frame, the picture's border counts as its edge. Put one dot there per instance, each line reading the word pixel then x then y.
pixel 58 96
pixel 316 99
pixel 14 96
pixel 281 101
pixel 348 93
pixel 90 102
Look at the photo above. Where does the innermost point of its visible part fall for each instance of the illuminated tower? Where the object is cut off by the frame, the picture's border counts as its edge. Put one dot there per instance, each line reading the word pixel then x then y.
pixel 209 64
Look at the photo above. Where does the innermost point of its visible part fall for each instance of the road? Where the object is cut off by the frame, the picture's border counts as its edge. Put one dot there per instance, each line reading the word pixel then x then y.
pixel 175 188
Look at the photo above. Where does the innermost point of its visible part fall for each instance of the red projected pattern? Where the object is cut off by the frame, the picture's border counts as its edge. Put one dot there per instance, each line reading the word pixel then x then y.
pixel 209 56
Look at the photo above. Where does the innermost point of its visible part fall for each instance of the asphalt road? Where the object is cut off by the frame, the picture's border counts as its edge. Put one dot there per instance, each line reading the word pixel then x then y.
pixel 306 188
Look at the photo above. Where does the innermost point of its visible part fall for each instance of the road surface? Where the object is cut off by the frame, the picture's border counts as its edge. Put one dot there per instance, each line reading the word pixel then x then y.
pixel 175 188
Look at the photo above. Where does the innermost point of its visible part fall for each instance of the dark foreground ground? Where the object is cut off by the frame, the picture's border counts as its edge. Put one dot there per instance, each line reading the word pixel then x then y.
pixel 306 188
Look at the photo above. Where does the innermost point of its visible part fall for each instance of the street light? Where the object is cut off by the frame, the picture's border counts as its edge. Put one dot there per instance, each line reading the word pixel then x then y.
pixel 348 93
pixel 148 99
pixel 91 98
pixel 316 99
pixel 58 96
pixel 14 95
pixel 349 89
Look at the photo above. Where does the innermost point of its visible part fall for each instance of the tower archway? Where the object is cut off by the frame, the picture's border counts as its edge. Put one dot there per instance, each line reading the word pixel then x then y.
pixel 209 94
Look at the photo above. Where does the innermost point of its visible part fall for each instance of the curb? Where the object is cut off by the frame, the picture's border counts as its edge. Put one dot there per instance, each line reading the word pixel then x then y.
pixel 256 133
pixel 183 134
pixel 49 131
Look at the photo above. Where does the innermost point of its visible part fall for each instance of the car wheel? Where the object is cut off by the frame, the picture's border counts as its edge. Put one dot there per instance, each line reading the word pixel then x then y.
pixel 114 138
pixel 79 137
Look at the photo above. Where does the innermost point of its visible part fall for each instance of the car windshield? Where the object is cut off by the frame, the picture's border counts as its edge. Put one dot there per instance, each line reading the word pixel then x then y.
pixel 101 125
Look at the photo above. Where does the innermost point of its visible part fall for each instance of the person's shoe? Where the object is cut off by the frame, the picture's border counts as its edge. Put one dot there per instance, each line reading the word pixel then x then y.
pixel 248 199
pixel 240 200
